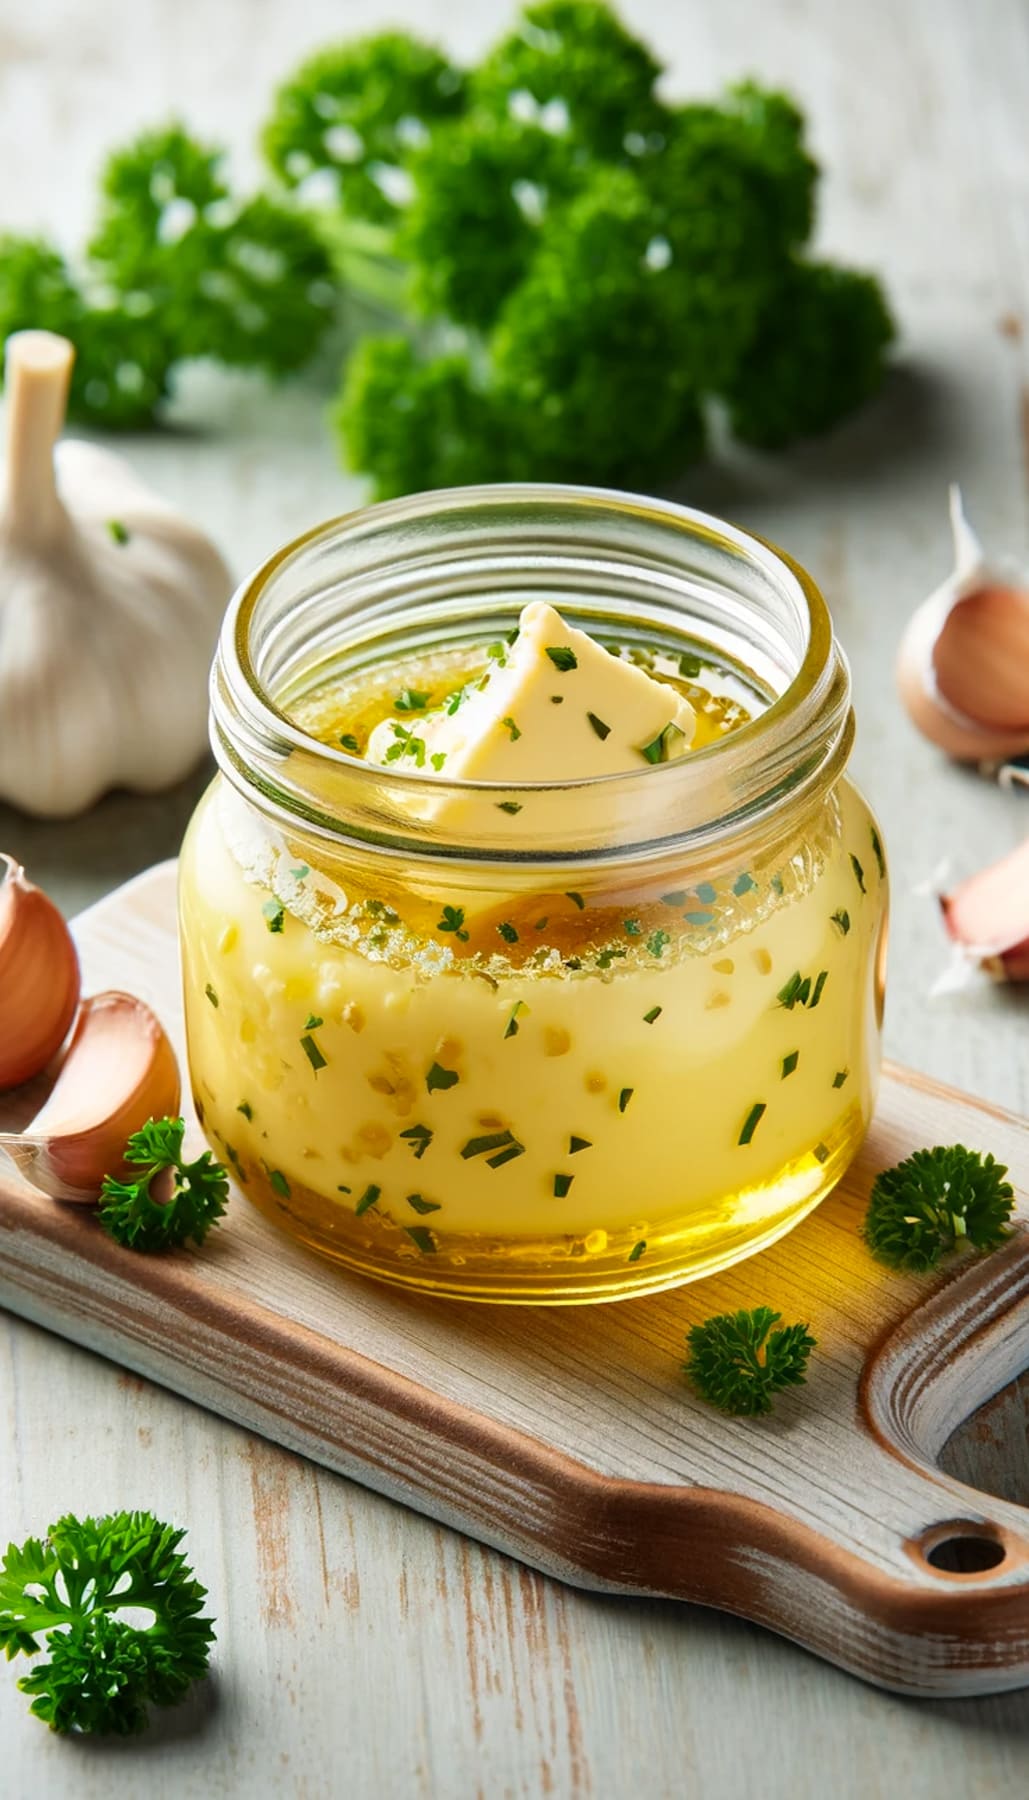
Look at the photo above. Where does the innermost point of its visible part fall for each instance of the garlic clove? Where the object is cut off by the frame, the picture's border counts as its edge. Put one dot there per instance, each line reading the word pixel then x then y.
pixel 987 916
pixel 39 977
pixel 118 1071
pixel 110 601
pixel 963 663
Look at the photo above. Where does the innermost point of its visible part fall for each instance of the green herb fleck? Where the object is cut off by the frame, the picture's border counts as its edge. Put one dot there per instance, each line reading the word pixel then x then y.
pixel 637 1251
pixel 419 1204
pixel 752 1121
pixel 743 884
pixel 706 893
pixel 796 991
pixel 211 995
pixel 737 1362
pixel 301 872
pixel 498 1147
pixel 498 653
pixel 349 742
pixel 455 700
pixel 511 1029
pixel 562 657
pixel 343 1189
pixel 246 1109
pixel 512 729
pixel 789 1063
pixel 313 1022
pixel 507 931
pixel 776 885
pixel 632 927
pixel 823 976
pixel 541 924
pixel 410 700
pixel 690 666
pixel 935 1200
pixel 658 941
pixel 612 953
pixel 654 1013
pixel 278 1181
pixel 557 699
pixel 368 1198
pixel 603 731
pixel 575 1144
pixel 840 1077
pixel 509 806
pixel 699 918
pixel 438 1077
pixel 562 1183
pixel 437 759
pixel 576 899
pixel 274 915
pixel 453 920
pixel 821 1153
pixel 422 1236
pixel 678 898
pixel 118 531
pixel 841 920
pixel 312 1052
pixel 419 1137
pixel 877 849
pixel 624 1097
pixel 858 872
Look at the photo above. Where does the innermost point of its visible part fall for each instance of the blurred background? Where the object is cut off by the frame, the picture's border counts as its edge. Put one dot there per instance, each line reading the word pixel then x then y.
pixel 916 116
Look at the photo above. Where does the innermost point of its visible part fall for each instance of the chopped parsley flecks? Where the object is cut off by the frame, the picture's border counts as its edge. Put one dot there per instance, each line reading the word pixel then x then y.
pixel 752 1121
pixel 624 1097
pixel 453 920
pixel 575 1144
pixel 512 729
pixel 419 1204
pixel 246 1109
pixel 859 873
pixel 437 759
pixel 562 1183
pixel 406 745
pixel 456 699
pixel 422 1236
pixel 776 886
pixel 840 1077
pixel 312 1022
pixel 706 893
pixel 343 1189
pixel 211 995
pixel 498 1147
pixel 659 748
pixel 349 742
pixel 562 657
pixel 841 920
pixel 789 1063
pixel 438 1077
pixel 498 653
pixel 278 1181
pixel 699 918
pixel 602 730
pixel 690 667
pixel 743 884
pixel 823 976
pixel 637 1251
pixel 368 1199
pixel 821 1153
pixel 877 851
pixel 557 699
pixel 611 953
pixel 796 991
pixel 274 915
pixel 658 942
pixel 541 924
pixel 632 927
pixel 301 872
pixel 654 1013
pixel 411 700
pixel 576 899
pixel 509 806
pixel 511 1028
pixel 419 1137
pixel 312 1052
pixel 118 531
pixel 507 931
pixel 678 898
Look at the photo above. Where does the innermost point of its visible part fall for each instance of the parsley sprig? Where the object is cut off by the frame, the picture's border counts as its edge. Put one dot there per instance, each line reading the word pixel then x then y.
pixel 933 1201
pixel 130 1213
pixel 737 1362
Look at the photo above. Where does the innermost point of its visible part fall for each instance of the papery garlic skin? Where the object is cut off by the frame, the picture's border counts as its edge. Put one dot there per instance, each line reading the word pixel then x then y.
pixel 110 603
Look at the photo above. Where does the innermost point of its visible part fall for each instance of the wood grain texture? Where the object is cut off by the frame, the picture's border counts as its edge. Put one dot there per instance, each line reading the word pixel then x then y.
pixel 566 1436
pixel 424 1664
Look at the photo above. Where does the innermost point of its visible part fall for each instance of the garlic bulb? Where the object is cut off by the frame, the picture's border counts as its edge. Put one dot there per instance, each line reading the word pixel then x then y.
pixel 119 1070
pixel 109 608
pixel 963 664
pixel 39 977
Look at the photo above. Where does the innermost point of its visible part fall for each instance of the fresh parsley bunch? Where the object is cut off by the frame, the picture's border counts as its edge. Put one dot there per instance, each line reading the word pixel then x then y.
pixel 68 1591
pixel 934 1201
pixel 738 1363
pixel 190 1196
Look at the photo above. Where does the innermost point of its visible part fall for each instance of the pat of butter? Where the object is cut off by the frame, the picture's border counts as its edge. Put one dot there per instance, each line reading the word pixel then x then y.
pixel 554 706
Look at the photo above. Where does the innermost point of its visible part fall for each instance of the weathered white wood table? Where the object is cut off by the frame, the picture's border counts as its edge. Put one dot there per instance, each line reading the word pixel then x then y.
pixel 361 1649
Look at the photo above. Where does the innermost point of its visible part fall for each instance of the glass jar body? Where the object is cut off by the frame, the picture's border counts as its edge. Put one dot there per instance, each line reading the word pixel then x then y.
pixel 663 1072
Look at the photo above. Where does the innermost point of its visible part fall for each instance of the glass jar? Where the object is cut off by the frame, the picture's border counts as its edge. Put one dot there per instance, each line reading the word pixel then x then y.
pixel 655 1045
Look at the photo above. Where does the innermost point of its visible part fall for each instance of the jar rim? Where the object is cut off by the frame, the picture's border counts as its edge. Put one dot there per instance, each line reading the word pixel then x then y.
pixel 791 750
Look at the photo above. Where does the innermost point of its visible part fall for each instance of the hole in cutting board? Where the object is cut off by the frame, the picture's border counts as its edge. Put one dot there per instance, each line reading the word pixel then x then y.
pixel 964 1553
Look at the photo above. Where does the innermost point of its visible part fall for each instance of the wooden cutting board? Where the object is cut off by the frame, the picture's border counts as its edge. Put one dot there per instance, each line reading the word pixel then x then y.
pixel 567 1437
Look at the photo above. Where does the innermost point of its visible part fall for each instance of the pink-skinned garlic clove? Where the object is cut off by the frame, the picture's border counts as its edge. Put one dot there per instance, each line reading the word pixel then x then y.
pixel 39 977
pixel 118 1071
pixel 987 917
pixel 963 663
